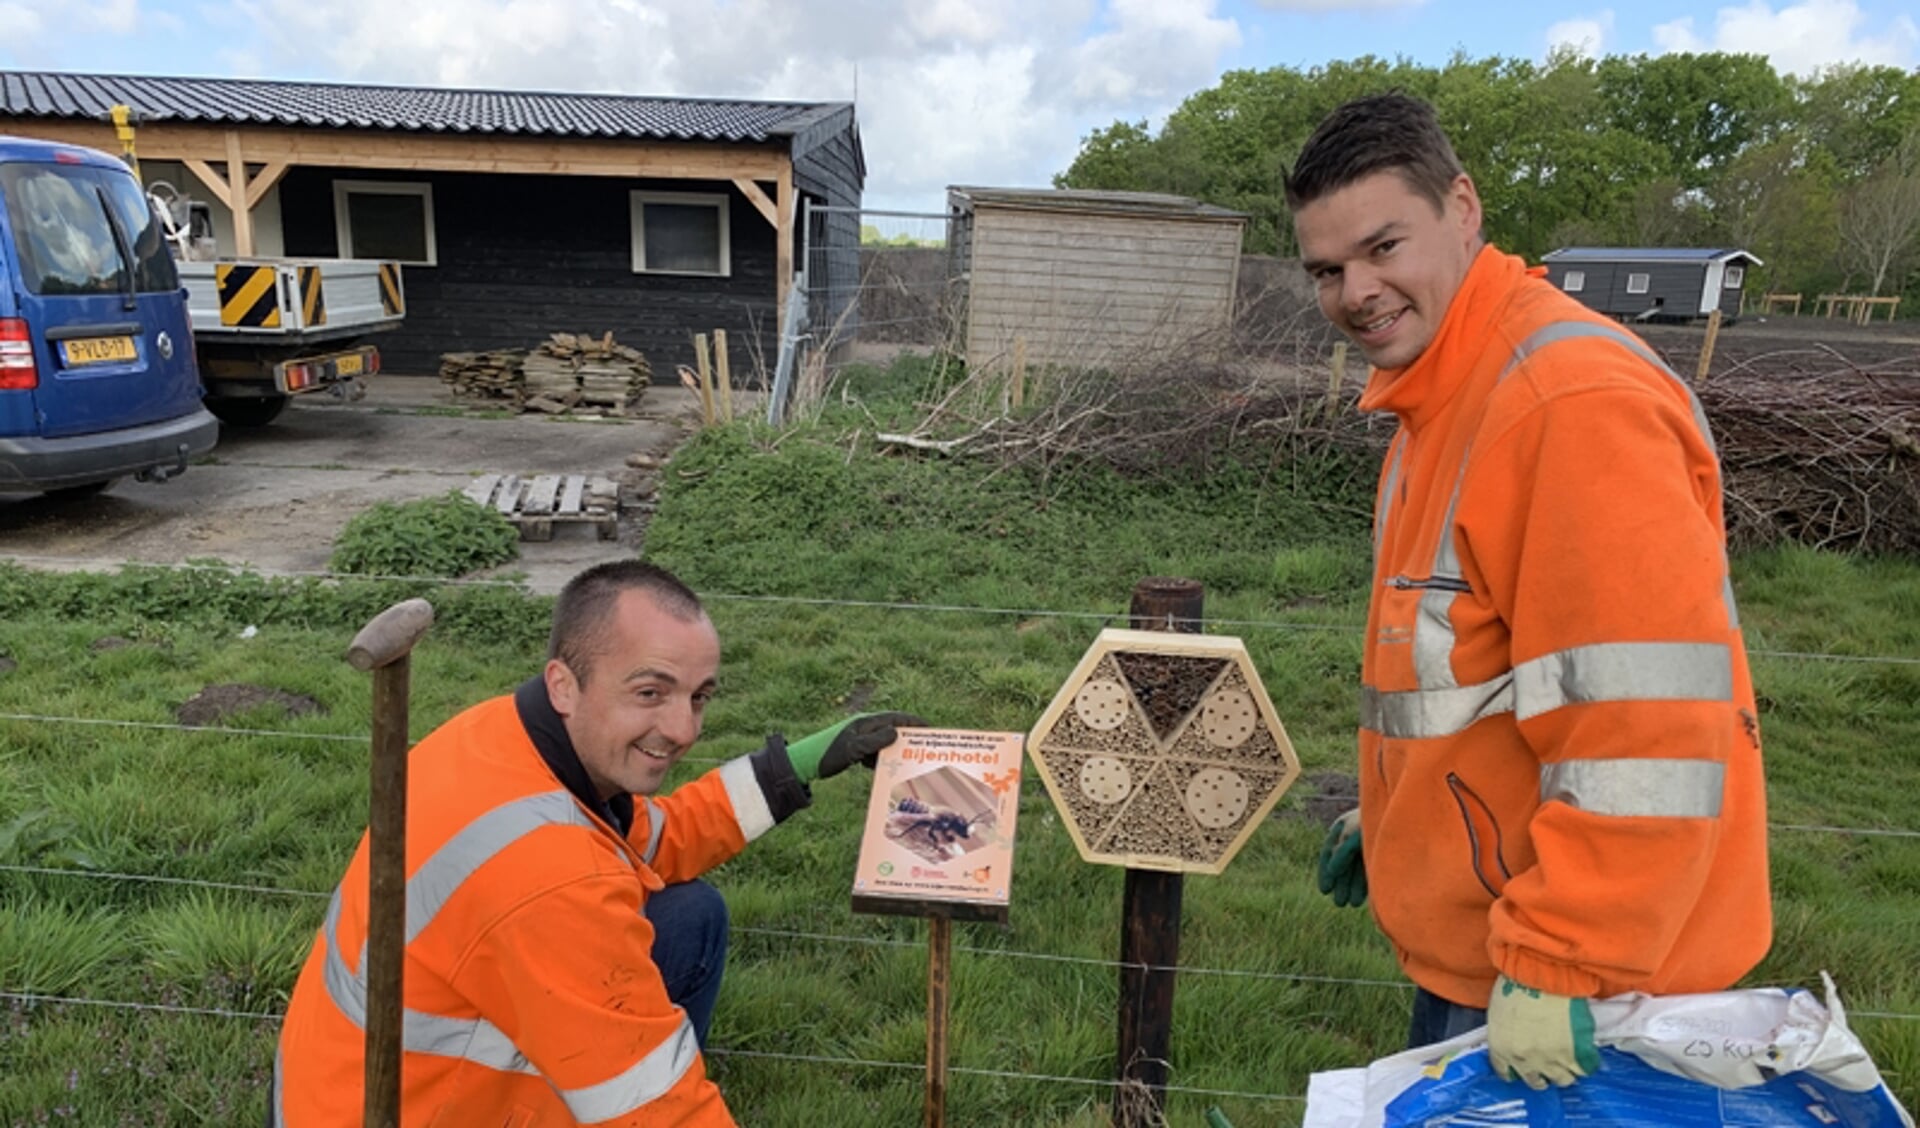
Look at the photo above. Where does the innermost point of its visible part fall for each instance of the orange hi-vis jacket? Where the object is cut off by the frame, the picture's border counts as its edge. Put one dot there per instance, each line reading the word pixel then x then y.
pixel 1560 772
pixel 531 995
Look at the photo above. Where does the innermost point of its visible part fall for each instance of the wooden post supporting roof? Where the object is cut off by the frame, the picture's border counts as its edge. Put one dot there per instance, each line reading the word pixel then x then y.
pixel 783 253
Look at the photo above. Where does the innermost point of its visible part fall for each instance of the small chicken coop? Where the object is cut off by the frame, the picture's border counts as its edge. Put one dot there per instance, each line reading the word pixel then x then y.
pixel 1088 279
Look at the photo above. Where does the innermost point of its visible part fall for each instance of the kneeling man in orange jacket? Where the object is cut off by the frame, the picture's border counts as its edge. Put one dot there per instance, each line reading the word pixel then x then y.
pixel 562 960
pixel 1560 778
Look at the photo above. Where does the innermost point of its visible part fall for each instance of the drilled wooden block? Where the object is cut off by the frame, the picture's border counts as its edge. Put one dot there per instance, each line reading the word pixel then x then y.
pixel 1163 751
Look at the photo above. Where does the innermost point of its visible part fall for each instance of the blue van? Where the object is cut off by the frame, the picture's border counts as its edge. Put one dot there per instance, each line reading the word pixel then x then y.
pixel 97 374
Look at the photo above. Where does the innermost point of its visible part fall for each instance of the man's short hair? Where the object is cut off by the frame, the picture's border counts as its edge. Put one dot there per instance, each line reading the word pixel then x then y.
pixel 585 606
pixel 1378 133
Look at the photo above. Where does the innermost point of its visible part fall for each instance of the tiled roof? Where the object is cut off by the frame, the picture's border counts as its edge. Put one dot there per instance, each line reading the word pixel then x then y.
pixel 231 101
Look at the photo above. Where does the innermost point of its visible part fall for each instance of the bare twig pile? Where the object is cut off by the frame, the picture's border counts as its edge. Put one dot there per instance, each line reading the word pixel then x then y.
pixel 563 372
pixel 1820 451
pixel 1814 449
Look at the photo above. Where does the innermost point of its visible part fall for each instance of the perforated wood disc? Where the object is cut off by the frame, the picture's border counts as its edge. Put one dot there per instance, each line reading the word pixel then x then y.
pixel 1228 718
pixel 1105 779
pixel 1216 798
pixel 1102 704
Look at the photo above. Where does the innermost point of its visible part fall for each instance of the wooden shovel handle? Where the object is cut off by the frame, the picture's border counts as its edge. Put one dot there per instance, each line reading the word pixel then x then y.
pixel 390 635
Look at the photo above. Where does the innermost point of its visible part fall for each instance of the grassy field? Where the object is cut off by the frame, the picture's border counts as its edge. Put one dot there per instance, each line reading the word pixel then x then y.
pixel 1280 983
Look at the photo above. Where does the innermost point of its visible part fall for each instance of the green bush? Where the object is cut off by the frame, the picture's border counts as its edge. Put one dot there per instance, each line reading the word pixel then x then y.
pixel 439 536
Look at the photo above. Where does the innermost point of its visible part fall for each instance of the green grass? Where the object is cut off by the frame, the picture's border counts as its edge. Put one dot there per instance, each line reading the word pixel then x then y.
pixel 817 513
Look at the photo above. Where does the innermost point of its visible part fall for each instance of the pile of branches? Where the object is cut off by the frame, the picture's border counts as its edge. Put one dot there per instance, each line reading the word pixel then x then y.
pixel 1818 450
pixel 1814 449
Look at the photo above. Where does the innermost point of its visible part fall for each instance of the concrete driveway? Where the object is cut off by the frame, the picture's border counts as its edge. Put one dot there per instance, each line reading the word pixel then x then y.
pixel 274 498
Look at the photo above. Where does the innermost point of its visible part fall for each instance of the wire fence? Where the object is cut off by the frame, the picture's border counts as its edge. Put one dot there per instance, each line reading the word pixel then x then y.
pixel 774 932
pixel 1103 618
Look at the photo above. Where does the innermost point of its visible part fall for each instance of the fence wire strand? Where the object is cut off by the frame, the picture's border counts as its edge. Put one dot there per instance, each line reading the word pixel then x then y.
pixel 1102 617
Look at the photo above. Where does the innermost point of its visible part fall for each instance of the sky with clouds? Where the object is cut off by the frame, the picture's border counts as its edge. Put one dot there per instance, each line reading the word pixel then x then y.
pixel 949 91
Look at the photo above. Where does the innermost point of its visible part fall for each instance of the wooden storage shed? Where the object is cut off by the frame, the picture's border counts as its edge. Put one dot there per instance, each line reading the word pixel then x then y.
pixel 1652 283
pixel 1088 278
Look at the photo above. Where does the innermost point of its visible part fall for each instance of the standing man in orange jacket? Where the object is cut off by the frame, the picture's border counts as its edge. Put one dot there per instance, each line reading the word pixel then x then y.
pixel 562 960
pixel 1560 781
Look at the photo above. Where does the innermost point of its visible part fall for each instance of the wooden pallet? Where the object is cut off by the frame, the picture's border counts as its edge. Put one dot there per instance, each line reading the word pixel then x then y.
pixel 534 504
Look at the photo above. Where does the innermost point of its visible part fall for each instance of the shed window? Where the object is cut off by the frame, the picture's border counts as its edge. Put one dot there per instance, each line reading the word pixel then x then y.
pixel 385 219
pixel 1574 281
pixel 1735 276
pixel 1638 283
pixel 681 233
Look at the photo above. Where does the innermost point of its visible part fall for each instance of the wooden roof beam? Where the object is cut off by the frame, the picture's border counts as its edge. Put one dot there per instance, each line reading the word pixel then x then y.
pixel 757 196
pixel 428 152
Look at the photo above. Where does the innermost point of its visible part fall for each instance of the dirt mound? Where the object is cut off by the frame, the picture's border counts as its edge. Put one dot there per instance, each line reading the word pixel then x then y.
pixel 216 702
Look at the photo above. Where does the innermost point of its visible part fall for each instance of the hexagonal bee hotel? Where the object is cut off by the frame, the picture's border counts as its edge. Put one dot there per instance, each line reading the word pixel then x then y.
pixel 1162 751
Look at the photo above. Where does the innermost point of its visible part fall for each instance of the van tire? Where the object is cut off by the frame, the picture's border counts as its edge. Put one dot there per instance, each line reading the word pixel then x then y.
pixel 247 411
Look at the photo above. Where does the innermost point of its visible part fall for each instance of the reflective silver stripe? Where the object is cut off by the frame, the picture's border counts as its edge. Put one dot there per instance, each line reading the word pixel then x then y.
pixel 1419 714
pixel 1433 636
pixel 470 1039
pixel 1392 488
pixel 656 826
pixel 1623 671
pixel 647 1080
pixel 277 1109
pixel 477 843
pixel 750 808
pixel 1674 789
pixel 1726 594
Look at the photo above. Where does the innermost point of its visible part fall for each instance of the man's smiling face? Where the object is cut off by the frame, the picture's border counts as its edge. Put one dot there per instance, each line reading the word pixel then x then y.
pixel 639 706
pixel 1387 262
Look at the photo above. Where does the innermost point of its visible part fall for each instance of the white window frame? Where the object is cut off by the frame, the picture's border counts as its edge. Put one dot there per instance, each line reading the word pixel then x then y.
pixel 1573 281
pixel 1736 276
pixel 1639 282
pixel 343 229
pixel 721 202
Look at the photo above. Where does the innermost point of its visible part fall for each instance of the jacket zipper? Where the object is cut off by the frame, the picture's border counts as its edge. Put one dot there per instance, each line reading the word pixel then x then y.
pixel 1439 583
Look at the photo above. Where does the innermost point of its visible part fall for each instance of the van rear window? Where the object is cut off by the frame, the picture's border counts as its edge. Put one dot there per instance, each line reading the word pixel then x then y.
pixel 66 242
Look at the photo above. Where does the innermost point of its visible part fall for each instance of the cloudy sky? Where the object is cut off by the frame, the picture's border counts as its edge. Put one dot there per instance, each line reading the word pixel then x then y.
pixel 949 91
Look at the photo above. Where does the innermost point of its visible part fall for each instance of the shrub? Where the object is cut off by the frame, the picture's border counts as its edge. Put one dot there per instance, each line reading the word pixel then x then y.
pixel 446 536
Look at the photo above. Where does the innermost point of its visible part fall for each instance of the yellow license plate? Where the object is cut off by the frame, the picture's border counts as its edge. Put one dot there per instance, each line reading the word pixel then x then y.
pixel 350 365
pixel 97 350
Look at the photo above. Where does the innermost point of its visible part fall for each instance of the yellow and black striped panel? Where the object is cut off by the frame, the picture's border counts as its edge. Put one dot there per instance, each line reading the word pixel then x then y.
pixel 313 298
pixel 248 296
pixel 390 298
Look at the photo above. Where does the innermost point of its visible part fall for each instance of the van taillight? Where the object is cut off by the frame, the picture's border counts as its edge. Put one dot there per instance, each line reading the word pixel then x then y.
pixel 17 371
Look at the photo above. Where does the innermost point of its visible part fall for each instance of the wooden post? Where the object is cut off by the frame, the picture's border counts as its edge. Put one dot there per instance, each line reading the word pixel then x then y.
pixel 1706 347
pixel 939 964
pixel 1336 377
pixel 1150 912
pixel 705 366
pixel 384 646
pixel 1019 378
pixel 723 373
pixel 237 203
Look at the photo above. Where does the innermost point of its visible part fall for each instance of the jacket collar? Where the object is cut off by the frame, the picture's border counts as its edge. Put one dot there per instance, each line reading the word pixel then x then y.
pixel 549 734
pixel 1421 390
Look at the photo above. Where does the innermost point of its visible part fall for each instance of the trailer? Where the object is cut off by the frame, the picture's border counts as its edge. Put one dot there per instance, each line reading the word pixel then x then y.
pixel 266 330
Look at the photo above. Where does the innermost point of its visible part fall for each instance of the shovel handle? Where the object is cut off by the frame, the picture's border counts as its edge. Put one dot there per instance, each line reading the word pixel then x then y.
pixel 390 635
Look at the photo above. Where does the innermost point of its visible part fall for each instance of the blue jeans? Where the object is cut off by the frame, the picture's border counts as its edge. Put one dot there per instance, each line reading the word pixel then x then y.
pixel 690 947
pixel 1436 1019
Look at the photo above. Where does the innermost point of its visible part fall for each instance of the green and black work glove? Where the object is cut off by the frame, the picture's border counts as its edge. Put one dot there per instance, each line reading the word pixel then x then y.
pixel 1343 868
pixel 1537 1037
pixel 856 740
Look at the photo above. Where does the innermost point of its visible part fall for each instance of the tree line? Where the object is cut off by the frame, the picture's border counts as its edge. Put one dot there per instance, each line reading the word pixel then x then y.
pixel 1819 177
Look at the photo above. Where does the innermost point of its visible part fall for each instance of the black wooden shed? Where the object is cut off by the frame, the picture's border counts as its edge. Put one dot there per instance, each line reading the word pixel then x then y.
pixel 1653 283
pixel 515 214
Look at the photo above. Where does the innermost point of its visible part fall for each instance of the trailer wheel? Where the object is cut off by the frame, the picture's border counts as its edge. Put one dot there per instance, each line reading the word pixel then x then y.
pixel 247 411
